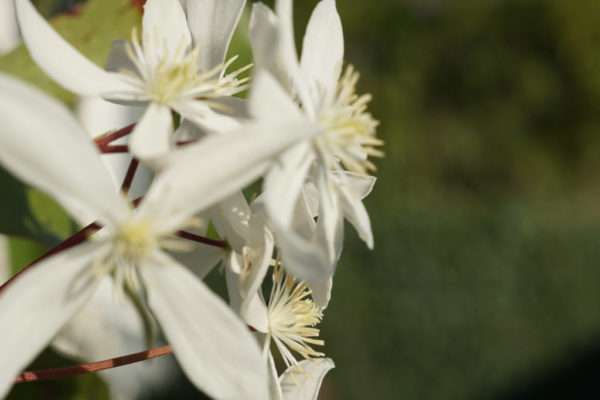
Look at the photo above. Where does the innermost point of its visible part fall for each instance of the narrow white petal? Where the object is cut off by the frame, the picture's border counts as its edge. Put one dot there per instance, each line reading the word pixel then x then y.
pixel 9 29
pixel 285 11
pixel 61 61
pixel 303 381
pixel 212 23
pixel 202 115
pixel 254 313
pixel 150 140
pixel 231 218
pixel 330 227
pixel 284 182
pixel 199 175
pixel 308 261
pixel 49 150
pixel 357 215
pixel 107 327
pixel 269 100
pixel 165 31
pixel 215 349
pixel 323 49
pixel 267 46
pixel 358 185
pixel 39 302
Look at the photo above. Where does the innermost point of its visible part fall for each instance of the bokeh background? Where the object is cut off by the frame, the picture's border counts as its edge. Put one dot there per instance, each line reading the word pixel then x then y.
pixel 484 280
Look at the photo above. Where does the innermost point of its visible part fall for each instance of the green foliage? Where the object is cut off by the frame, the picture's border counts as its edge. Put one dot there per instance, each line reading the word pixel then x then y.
pixel 25 212
pixel 91 31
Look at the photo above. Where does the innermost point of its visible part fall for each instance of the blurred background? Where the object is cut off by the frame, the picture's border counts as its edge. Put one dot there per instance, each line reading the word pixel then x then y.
pixel 484 280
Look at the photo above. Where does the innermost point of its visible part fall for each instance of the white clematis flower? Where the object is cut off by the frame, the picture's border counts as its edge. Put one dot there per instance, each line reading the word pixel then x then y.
pixel 334 164
pixel 48 150
pixel 177 66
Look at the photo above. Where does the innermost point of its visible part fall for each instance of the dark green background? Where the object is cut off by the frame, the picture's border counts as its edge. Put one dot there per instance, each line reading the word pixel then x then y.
pixel 484 280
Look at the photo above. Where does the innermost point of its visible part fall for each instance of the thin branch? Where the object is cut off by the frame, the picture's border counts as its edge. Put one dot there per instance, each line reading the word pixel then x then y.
pixel 201 239
pixel 107 148
pixel 130 175
pixel 113 149
pixel 110 137
pixel 67 372
pixel 72 241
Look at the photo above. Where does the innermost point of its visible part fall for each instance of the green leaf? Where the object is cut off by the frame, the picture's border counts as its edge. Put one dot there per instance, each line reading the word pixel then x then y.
pixel 91 31
pixel 23 252
pixel 28 213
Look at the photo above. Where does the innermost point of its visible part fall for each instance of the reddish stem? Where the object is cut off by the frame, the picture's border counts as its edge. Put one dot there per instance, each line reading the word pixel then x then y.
pixel 130 175
pixel 110 137
pixel 72 241
pixel 201 239
pixel 106 148
pixel 60 373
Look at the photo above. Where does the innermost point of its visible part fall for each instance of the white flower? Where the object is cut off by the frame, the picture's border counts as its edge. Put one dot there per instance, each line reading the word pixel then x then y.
pixel 290 318
pixel 331 167
pixel 178 66
pixel 42 144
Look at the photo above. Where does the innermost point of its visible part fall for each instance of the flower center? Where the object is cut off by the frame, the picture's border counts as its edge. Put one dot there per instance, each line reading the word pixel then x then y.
pixel 176 75
pixel 293 318
pixel 134 241
pixel 350 130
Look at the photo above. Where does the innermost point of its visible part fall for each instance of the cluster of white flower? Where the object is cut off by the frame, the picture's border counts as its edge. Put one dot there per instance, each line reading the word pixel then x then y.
pixel 302 129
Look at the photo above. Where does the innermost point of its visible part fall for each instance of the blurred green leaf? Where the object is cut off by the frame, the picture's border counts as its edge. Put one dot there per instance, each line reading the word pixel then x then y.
pixel 91 31
pixel 23 252
pixel 30 214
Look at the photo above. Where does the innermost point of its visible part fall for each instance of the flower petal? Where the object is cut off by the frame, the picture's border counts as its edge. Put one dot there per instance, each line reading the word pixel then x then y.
pixel 303 381
pixel 330 226
pixel 39 302
pixel 215 349
pixel 166 35
pixel 269 101
pixel 358 185
pixel 108 327
pixel 285 11
pixel 49 150
pixel 266 41
pixel 9 30
pixel 61 61
pixel 198 112
pixel 284 183
pixel 254 313
pixel 150 140
pixel 357 215
pixel 323 48
pixel 231 218
pixel 212 23
pixel 199 176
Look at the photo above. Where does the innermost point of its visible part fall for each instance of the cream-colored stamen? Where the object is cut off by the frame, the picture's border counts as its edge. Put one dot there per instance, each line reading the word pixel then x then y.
pixel 349 129
pixel 176 76
pixel 293 318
